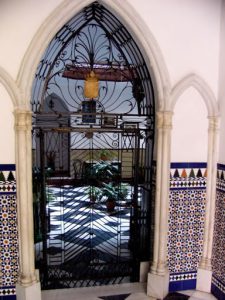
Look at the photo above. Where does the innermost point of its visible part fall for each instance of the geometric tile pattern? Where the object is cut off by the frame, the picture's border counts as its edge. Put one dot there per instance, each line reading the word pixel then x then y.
pixel 218 289
pixel 218 254
pixel 184 276
pixel 187 200
pixel 186 225
pixel 9 240
pixel 7 291
pixel 182 281
pixel 8 231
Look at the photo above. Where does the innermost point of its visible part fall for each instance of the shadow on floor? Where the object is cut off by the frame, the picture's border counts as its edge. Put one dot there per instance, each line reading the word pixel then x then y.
pixel 176 296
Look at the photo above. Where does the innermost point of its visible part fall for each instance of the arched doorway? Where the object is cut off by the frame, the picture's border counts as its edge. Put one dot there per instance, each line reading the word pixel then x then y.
pixel 92 96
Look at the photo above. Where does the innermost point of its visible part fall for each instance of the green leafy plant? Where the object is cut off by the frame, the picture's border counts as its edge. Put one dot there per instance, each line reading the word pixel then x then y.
pixel 94 193
pixel 115 192
pixel 102 171
pixel 112 193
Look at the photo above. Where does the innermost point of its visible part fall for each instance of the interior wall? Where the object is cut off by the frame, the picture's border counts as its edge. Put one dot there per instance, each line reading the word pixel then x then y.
pixel 188 34
pixel 185 45
pixel 218 261
pixel 187 195
pixel 8 201
pixel 190 128
pixel 20 21
pixel 7 136
pixel 221 93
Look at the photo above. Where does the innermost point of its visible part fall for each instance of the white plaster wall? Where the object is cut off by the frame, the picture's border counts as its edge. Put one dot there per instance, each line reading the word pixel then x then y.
pixel 190 129
pixel 221 94
pixel 7 144
pixel 187 32
pixel 19 22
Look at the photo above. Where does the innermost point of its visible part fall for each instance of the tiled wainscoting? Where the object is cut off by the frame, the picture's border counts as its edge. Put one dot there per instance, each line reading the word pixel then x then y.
pixel 8 233
pixel 218 261
pixel 186 223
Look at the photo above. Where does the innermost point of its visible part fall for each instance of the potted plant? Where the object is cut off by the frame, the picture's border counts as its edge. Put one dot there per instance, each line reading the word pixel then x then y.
pixel 114 193
pixel 101 171
pixel 94 194
pixel 111 195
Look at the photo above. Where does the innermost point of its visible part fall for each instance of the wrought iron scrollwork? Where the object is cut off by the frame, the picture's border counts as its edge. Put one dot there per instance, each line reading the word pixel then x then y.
pixel 83 245
pixel 94 40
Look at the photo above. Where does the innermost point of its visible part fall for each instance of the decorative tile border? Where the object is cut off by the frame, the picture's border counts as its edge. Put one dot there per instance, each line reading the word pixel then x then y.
pixel 8 232
pixel 7 291
pixel 218 288
pixel 218 254
pixel 7 179
pixel 188 175
pixel 186 222
pixel 182 281
pixel 220 178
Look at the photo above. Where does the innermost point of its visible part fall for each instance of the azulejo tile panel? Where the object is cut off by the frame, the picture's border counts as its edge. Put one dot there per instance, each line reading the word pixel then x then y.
pixel 218 256
pixel 182 281
pixel 8 232
pixel 186 222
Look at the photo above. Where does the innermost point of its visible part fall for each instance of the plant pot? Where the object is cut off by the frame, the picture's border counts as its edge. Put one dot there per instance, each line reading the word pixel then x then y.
pixel 110 205
pixel 103 157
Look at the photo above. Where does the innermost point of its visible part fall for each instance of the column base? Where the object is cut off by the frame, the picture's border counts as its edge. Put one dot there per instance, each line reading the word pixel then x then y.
pixel 144 268
pixel 158 285
pixel 32 292
pixel 204 280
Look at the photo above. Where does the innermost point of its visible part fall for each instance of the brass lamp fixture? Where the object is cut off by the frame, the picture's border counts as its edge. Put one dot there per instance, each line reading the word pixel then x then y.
pixel 91 86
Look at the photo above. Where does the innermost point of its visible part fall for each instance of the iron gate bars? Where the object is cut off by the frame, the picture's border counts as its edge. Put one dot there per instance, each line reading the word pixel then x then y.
pixel 121 118
pixel 94 39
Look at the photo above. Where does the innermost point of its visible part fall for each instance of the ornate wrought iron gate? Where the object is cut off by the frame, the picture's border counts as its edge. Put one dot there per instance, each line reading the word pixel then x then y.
pixel 82 242
pixel 92 95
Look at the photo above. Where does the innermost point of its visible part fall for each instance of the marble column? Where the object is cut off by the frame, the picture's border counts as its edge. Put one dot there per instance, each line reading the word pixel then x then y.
pixel 158 278
pixel 159 125
pixel 204 274
pixel 28 286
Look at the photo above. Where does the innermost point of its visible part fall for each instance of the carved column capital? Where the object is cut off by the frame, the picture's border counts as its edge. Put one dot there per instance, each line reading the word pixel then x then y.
pixel 214 123
pixel 23 120
pixel 167 120
pixel 159 120
pixel 164 119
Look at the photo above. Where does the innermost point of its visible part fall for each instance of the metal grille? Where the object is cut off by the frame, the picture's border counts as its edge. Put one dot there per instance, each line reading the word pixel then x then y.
pixel 78 241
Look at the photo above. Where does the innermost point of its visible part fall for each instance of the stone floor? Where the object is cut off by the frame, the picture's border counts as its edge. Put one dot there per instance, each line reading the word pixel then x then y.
pixel 134 291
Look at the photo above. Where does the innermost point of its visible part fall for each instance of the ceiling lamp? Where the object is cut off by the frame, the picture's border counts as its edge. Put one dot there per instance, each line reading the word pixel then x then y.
pixel 91 86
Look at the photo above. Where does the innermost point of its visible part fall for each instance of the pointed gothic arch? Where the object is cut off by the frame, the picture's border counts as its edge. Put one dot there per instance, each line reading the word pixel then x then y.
pixel 63 13
pixel 28 277
pixel 94 39
pixel 197 82
pixel 7 81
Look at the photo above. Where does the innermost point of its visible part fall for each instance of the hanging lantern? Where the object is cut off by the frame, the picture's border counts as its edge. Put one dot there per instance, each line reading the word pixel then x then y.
pixel 91 86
